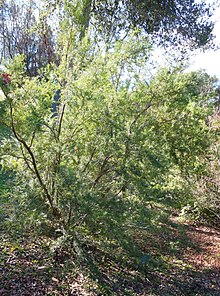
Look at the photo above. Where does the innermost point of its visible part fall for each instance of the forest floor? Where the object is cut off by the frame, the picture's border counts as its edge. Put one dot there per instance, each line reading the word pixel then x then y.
pixel 180 259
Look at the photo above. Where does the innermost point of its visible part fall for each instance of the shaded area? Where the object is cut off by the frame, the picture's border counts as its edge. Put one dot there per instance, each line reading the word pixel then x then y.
pixel 29 268
pixel 176 259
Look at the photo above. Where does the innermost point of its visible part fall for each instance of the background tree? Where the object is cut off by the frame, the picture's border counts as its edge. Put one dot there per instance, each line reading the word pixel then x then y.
pixel 32 28
pixel 22 33
pixel 204 204
pixel 166 22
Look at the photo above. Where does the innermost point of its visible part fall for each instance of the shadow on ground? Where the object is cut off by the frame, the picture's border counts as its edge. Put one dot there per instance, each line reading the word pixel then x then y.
pixel 174 259
pixel 177 259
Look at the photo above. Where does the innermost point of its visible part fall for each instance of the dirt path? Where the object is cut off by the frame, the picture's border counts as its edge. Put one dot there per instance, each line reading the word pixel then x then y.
pixel 189 256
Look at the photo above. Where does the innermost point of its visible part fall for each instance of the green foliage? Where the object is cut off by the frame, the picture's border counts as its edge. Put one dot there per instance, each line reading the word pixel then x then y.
pixel 205 204
pixel 98 157
pixel 188 19
pixel 167 22
pixel 177 23
pixel 97 150
pixel 113 142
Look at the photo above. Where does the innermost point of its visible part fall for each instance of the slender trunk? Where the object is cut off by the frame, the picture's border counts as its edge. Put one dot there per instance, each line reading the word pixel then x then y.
pixel 34 168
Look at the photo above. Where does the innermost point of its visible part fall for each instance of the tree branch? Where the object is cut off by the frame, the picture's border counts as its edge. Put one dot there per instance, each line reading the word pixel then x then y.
pixel 34 163
pixel 90 159
pixel 102 170
pixel 138 116
pixel 60 121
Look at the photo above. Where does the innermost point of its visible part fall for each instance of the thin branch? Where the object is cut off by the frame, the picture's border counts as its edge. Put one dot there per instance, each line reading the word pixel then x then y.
pixel 32 139
pixel 119 191
pixel 102 171
pixel 60 123
pixel 80 220
pixel 34 163
pixel 90 159
pixel 138 116
pixel 52 130
pixel 27 161
pixel 69 215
